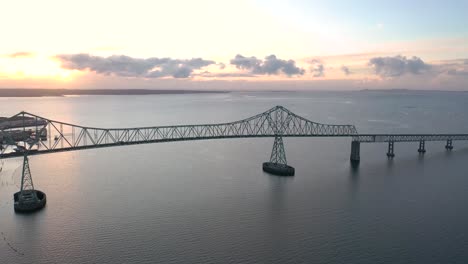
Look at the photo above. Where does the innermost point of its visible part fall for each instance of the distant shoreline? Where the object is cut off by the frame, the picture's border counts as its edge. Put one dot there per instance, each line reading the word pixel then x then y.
pixel 32 92
pixel 64 92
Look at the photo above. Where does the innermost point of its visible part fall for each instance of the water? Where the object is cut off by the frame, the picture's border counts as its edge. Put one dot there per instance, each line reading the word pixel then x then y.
pixel 209 201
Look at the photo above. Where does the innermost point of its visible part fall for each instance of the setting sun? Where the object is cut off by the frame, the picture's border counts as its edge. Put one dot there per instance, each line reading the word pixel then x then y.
pixel 32 66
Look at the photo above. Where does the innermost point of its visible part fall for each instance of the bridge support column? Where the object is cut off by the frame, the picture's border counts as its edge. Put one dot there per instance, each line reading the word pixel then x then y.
pixel 390 153
pixel 422 147
pixel 355 152
pixel 28 199
pixel 449 145
pixel 278 164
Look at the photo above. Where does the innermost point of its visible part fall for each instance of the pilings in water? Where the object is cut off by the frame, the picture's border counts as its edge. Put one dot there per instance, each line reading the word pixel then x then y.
pixel 390 152
pixel 278 164
pixel 449 145
pixel 422 147
pixel 355 149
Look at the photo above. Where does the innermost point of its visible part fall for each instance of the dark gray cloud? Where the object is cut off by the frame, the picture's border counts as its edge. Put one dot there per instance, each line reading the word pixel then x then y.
pixel 271 65
pixel 397 66
pixel 317 69
pixel 346 70
pixel 126 66
pixel 246 63
pixel 226 74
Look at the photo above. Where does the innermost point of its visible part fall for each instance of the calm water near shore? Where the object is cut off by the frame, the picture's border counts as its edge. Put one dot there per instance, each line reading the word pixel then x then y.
pixel 210 202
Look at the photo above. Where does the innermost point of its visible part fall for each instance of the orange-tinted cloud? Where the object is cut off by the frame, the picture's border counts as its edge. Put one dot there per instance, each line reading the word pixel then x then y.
pixel 21 54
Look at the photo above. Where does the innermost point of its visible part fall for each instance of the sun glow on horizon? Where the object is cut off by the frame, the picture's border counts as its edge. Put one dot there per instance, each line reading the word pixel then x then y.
pixel 33 66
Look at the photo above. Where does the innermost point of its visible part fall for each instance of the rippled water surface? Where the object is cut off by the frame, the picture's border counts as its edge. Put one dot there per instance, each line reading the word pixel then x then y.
pixel 210 202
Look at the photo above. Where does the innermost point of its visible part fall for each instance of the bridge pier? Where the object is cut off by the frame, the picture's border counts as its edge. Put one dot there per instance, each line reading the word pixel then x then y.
pixel 278 164
pixel 449 145
pixel 355 152
pixel 28 199
pixel 422 147
pixel 390 153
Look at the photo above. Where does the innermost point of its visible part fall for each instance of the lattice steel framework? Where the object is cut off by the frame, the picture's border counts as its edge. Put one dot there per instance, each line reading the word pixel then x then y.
pixel 31 133
pixel 278 154
pixel 27 186
pixel 26 180
pixel 40 135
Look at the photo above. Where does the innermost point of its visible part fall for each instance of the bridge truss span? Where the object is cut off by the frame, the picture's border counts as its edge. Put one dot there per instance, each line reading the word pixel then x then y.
pixel 41 135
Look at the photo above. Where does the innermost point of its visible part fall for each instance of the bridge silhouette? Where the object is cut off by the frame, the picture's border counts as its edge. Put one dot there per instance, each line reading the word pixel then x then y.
pixel 26 134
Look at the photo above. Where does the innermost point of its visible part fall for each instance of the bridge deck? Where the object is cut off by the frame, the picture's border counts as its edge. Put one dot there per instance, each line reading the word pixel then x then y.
pixel 371 138
pixel 364 138
pixel 38 135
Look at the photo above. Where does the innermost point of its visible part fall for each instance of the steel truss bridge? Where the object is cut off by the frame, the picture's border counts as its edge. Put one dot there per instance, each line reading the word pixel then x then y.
pixel 48 136
pixel 26 134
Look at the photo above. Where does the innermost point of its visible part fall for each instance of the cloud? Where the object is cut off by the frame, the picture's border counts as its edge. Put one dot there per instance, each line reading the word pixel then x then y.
pixel 126 66
pixel 315 61
pixel 455 72
pixel 271 65
pixel 22 54
pixel 397 66
pixel 246 63
pixel 317 69
pixel 466 61
pixel 346 70
pixel 226 74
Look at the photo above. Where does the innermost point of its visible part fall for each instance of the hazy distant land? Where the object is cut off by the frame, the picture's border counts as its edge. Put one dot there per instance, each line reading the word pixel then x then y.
pixel 31 92
pixel 63 92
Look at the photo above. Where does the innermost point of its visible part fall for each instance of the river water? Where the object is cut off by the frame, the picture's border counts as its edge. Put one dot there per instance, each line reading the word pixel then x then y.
pixel 210 202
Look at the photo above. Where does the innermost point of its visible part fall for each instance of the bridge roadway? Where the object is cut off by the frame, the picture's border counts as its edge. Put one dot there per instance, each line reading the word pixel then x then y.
pixel 42 135
pixel 371 138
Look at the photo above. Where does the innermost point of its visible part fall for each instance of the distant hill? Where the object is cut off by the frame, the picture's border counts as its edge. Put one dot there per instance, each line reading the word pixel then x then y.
pixel 63 92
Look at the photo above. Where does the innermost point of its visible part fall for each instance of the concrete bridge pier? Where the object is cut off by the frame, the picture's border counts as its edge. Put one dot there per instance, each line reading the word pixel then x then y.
pixel 390 153
pixel 355 152
pixel 422 147
pixel 278 164
pixel 449 145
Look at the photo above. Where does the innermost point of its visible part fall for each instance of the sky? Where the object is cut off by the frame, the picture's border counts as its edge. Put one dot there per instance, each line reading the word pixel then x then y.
pixel 234 45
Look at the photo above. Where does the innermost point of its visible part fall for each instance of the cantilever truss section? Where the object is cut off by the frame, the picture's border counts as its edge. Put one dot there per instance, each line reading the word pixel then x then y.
pixel 39 135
